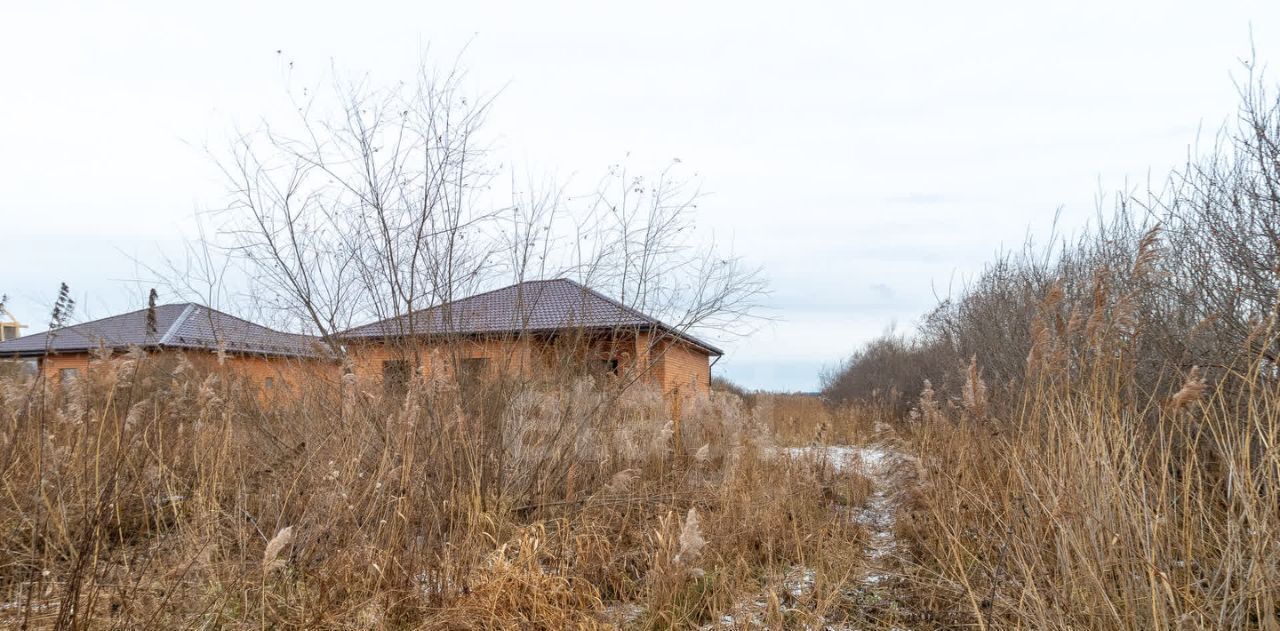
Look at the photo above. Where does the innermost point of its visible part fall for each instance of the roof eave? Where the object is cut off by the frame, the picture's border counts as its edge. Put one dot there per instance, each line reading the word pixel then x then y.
pixel 75 350
pixel 711 350
pixel 39 353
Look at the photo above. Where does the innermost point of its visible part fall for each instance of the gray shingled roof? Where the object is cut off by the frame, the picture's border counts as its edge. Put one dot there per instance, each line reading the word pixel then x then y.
pixel 177 326
pixel 531 306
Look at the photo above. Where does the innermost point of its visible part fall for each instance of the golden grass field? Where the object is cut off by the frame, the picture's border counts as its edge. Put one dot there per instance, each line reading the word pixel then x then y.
pixel 152 495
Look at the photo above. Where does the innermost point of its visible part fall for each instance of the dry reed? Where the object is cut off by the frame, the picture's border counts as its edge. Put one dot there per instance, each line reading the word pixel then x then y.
pixel 163 491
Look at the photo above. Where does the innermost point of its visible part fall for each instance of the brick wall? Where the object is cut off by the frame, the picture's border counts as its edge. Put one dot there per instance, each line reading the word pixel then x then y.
pixel 672 365
pixel 285 373
pixel 53 365
pixel 683 368
pixel 668 364
pixel 435 360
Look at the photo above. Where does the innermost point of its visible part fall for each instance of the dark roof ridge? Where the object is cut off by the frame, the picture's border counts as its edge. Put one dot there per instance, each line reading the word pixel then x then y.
pixel 81 326
pixel 177 322
pixel 526 312
pixel 446 303
pixel 233 316
pixel 494 291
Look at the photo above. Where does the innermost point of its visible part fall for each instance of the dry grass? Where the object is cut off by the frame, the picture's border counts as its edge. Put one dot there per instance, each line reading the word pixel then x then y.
pixel 794 420
pixel 155 494
pixel 1096 420
pixel 1090 507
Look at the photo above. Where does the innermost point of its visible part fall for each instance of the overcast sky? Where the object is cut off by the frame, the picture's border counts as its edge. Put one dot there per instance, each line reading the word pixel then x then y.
pixel 867 155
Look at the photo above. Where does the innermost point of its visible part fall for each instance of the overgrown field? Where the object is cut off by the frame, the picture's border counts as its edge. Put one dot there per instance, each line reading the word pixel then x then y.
pixel 1085 436
pixel 152 494
pixel 1096 419
pixel 1091 507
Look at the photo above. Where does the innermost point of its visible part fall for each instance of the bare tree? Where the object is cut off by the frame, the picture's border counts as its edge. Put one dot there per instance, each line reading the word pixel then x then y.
pixel 1223 222
pixel 377 202
pixel 364 204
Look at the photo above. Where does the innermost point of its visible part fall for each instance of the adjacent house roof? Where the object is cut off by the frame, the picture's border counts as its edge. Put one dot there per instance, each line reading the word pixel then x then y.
pixel 534 307
pixel 531 306
pixel 187 325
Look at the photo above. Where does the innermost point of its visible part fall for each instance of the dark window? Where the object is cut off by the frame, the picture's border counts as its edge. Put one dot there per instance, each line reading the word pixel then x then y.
pixel 471 370
pixel 395 376
pixel 67 375
pixel 605 366
pixel 8 332
pixel 270 383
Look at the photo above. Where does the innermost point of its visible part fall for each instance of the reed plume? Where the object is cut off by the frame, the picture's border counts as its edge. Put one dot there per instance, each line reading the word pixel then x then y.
pixel 271 555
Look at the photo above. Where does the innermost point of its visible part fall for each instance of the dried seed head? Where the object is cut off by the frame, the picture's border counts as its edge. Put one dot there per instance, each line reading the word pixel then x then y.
pixel 622 481
pixel 929 403
pixel 820 435
pixel 691 541
pixel 270 556
pixel 1191 392
pixel 703 454
pixel 1126 316
pixel 663 439
pixel 1053 296
pixel 975 390
pixel 1101 291
pixel 1075 323
pixel 182 366
pixel 1039 340
pixel 1148 252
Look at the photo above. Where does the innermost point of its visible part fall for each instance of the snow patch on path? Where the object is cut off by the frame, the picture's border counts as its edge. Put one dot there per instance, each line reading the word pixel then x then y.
pixel 877 462
pixel 882 464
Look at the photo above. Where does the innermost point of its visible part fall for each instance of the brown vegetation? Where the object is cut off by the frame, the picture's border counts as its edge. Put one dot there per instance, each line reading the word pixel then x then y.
pixel 1097 423
pixel 1090 432
pixel 154 494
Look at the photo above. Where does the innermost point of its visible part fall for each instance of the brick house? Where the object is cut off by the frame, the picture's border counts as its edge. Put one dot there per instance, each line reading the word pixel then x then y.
pixel 531 328
pixel 271 358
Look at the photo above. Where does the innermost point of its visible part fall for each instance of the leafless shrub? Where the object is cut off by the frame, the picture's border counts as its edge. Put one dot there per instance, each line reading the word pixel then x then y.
pixel 1135 370
pixel 1181 277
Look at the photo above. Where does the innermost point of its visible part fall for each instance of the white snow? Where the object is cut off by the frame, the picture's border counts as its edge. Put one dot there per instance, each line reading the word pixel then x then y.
pixel 876 462
pixel 870 459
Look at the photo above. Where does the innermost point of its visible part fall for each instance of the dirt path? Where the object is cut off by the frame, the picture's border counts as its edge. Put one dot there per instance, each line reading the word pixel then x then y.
pixel 878 514
pixel 883 464
pixel 891 472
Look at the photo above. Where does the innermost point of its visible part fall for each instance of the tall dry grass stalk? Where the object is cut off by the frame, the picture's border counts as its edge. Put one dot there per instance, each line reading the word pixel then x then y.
pixel 974 393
